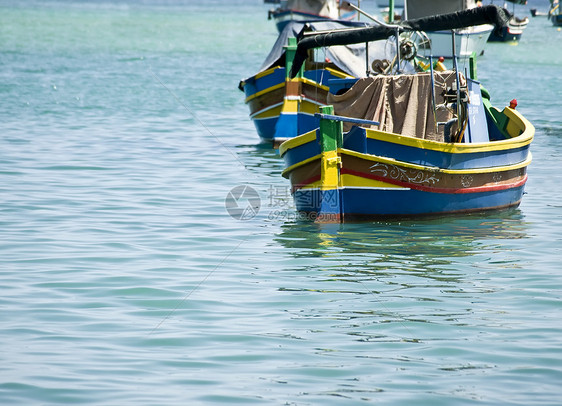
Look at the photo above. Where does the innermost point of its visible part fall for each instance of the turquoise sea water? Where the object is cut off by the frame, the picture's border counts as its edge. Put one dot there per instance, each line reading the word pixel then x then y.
pixel 125 281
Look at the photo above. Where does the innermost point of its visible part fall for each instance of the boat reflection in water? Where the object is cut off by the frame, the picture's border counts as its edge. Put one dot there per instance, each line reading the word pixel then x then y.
pixel 396 281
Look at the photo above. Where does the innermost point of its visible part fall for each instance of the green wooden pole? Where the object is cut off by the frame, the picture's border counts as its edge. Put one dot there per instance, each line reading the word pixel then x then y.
pixel 391 11
pixel 290 53
pixel 330 131
pixel 472 66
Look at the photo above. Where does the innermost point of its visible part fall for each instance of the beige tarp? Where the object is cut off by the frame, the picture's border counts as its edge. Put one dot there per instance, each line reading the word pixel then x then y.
pixel 401 104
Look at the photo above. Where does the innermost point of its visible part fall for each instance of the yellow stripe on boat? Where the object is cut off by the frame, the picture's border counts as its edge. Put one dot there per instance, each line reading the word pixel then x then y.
pixel 518 127
pixel 338 73
pixel 294 106
pixel 313 83
pixel 290 106
pixel 518 124
pixel 267 72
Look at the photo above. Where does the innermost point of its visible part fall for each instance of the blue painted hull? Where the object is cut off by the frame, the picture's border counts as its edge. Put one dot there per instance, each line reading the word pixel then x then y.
pixel 358 203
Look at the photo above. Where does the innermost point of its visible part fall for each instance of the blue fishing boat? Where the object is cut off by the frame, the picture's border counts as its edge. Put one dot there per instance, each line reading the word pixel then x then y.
pixel 282 107
pixel 513 31
pixel 409 144
pixel 310 10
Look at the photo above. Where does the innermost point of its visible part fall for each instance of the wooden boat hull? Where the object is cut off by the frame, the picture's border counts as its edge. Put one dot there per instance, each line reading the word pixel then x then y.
pixel 388 175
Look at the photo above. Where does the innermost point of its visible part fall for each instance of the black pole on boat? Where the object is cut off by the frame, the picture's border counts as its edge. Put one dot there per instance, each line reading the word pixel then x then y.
pixel 457 80
pixel 397 34
pixel 433 90
pixel 367 70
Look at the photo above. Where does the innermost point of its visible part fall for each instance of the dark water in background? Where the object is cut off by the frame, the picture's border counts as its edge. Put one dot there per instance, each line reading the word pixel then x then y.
pixel 125 281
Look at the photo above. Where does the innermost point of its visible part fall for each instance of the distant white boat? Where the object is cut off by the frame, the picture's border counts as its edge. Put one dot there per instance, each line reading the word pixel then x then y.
pixel 467 40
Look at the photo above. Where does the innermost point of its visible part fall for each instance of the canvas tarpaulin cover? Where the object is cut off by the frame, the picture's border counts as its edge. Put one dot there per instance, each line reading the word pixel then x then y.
pixel 402 104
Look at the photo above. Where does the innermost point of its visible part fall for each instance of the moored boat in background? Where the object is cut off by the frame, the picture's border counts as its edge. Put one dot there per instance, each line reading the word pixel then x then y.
pixel 515 27
pixel 283 107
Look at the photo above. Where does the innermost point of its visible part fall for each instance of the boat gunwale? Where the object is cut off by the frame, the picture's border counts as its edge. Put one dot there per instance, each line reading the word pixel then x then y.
pixel 521 140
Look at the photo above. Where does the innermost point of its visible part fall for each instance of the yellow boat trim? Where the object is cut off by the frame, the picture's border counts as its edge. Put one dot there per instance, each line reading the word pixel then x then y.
pixel 518 124
pixel 267 72
pixel 518 127
pixel 313 83
pixel 392 161
pixel 339 74
pixel 297 141
pixel 291 106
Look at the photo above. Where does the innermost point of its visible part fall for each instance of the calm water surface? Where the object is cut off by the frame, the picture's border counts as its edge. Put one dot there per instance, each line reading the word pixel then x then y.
pixel 124 280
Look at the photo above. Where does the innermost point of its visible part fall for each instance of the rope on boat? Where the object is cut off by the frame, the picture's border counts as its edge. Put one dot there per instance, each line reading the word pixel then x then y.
pixel 346 119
